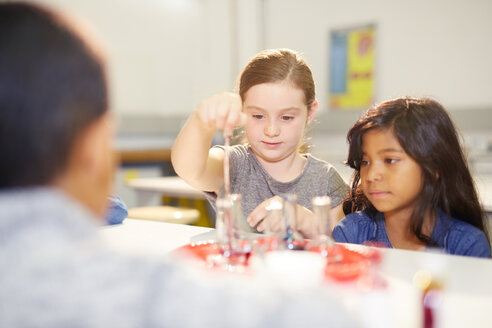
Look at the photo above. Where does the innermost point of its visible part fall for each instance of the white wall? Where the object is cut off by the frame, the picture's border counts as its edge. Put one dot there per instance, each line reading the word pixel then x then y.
pixel 166 55
pixel 438 48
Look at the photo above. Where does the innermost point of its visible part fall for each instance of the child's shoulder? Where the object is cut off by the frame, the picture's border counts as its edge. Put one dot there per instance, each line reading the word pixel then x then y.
pixel 320 170
pixel 463 238
pixel 315 163
pixel 361 220
pixel 455 226
pixel 361 217
pixel 357 227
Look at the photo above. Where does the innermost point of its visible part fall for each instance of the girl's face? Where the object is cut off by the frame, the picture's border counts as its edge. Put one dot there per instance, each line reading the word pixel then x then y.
pixel 277 117
pixel 390 178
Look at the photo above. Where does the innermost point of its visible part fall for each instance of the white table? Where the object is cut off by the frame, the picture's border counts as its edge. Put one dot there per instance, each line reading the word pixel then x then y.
pixel 468 287
pixel 149 237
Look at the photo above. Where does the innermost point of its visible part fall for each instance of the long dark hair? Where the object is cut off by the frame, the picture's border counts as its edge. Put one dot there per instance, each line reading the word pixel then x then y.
pixel 428 135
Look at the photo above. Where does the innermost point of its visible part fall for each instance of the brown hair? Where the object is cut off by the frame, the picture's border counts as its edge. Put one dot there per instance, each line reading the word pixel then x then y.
pixel 277 65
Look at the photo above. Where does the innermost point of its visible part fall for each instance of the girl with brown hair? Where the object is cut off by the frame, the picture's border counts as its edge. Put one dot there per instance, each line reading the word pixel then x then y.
pixel 276 102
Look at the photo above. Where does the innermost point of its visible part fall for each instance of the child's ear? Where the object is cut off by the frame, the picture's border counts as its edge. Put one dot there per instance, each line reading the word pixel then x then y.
pixel 312 112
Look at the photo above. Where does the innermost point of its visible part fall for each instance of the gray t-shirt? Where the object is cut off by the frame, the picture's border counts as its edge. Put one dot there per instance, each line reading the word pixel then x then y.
pixel 256 185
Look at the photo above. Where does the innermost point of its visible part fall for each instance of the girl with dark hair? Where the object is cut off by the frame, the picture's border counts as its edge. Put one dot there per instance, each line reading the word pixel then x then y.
pixel 411 188
pixel 276 102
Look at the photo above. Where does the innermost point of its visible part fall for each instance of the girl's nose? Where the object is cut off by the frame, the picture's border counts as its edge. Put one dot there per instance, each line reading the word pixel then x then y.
pixel 272 129
pixel 373 173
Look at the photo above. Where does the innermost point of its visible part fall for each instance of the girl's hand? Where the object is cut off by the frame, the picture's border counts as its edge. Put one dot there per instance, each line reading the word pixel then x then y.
pixel 259 216
pixel 305 222
pixel 221 112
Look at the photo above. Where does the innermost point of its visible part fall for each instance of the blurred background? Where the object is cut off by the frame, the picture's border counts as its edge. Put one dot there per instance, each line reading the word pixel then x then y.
pixel 164 56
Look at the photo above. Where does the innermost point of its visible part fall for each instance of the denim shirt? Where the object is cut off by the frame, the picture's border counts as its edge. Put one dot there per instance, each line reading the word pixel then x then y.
pixel 452 235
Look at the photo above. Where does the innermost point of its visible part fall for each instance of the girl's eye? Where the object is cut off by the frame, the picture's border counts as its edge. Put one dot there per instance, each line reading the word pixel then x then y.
pixel 258 116
pixel 391 160
pixel 364 163
pixel 287 118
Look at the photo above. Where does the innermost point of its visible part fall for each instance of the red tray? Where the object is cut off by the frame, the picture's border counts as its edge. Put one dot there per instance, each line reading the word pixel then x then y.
pixel 352 260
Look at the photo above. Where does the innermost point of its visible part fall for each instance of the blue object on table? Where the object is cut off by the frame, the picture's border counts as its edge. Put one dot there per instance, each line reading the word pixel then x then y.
pixel 117 210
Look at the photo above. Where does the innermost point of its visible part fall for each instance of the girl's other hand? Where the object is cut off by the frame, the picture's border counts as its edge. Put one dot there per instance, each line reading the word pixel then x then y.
pixel 222 111
pixel 259 216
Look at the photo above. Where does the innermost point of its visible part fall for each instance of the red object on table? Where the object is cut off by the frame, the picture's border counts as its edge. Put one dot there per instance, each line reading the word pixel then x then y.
pixel 353 260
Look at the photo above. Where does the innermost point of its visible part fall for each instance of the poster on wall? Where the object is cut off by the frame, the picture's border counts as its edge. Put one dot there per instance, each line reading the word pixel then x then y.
pixel 351 66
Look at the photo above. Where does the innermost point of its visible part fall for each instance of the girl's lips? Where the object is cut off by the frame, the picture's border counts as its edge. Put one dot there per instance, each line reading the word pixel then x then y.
pixel 271 144
pixel 378 194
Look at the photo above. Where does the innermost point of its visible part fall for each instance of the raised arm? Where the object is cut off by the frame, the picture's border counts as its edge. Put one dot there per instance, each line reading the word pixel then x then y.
pixel 191 156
